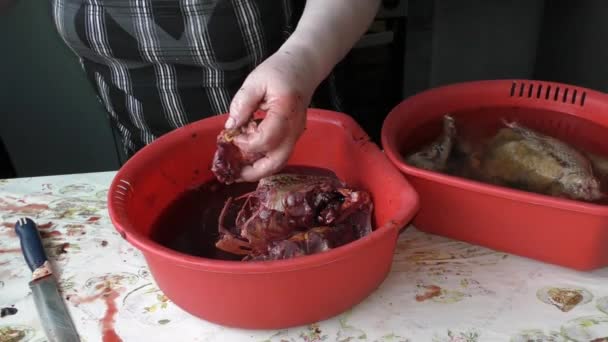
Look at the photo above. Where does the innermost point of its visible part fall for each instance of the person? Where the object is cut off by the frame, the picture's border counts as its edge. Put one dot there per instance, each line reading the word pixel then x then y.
pixel 158 65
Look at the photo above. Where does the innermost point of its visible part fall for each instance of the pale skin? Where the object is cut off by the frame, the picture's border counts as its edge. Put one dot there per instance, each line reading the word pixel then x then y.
pixel 283 85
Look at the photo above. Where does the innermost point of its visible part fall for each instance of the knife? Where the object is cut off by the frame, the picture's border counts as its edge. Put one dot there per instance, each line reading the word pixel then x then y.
pixel 52 311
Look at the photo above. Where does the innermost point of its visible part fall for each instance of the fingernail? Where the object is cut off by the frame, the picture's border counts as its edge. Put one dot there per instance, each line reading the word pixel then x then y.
pixel 230 123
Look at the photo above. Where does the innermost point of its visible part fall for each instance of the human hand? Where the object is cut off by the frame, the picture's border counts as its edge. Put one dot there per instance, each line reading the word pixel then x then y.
pixel 281 86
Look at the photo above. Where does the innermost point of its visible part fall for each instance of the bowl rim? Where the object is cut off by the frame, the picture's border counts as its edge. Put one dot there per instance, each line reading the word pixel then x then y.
pixel 150 248
pixel 480 88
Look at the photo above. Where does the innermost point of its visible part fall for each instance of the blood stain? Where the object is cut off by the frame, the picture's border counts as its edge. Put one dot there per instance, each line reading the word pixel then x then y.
pixel 45 225
pixel 50 234
pixel 24 208
pixel 10 250
pixel 431 292
pixel 109 296
pixel 61 249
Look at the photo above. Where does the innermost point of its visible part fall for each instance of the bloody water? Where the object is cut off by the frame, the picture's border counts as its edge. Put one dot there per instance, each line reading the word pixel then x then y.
pixel 190 223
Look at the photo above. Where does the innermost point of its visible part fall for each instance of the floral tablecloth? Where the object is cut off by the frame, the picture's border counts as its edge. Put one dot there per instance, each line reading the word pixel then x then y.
pixel 438 289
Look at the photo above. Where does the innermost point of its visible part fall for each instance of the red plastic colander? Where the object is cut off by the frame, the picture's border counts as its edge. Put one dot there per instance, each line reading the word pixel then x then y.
pixel 264 295
pixel 560 231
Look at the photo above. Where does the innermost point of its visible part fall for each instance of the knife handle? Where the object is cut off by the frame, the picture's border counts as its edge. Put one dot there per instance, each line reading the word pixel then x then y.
pixel 31 246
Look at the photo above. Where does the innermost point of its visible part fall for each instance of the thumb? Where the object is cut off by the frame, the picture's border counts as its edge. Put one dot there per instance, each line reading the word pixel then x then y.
pixel 246 101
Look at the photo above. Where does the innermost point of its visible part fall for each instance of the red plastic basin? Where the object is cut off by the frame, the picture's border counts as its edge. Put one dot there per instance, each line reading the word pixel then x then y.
pixel 264 295
pixel 558 231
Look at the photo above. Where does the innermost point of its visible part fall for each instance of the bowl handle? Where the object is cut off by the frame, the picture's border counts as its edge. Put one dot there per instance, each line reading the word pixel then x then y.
pixel 118 195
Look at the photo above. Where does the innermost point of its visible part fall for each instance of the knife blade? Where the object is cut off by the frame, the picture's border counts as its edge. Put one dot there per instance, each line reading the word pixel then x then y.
pixel 52 311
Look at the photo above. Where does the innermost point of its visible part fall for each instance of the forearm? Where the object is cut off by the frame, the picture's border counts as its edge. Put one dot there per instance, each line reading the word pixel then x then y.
pixel 327 30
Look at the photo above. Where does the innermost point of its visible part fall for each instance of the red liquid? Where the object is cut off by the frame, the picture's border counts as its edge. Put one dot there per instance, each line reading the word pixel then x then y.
pixel 190 224
pixel 107 322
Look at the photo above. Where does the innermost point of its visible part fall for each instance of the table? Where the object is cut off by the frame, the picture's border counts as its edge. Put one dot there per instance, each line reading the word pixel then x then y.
pixel 438 289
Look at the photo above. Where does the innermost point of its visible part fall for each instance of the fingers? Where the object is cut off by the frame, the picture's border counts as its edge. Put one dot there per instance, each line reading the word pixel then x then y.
pixel 283 121
pixel 270 164
pixel 246 101
pixel 271 131
pixel 275 137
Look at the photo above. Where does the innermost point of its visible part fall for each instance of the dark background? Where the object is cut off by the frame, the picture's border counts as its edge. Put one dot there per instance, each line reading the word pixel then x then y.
pixel 52 123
